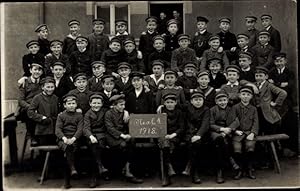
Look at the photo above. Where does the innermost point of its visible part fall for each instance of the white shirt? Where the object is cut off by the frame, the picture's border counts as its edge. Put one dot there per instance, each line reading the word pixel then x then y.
pixel 234 84
pixel 280 71
pixel 261 85
pixel 107 93
pixel 125 33
pixel 268 27
pixel 159 79
pixel 57 80
pixel 73 37
pixel 246 70
pixel 125 80
pixel 35 81
pixel 202 32
pixel 138 92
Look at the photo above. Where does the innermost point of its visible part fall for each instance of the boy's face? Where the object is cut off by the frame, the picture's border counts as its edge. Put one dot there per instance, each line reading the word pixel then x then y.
pixel 115 46
pixel 43 34
pixel 203 80
pixel 280 63
pixel 58 71
pixel 108 85
pixel 48 88
pixel 162 16
pixel 263 39
pixel 74 29
pixel 159 44
pixel 245 97
pixel 98 29
pixel 250 24
pixel 189 71
pixel 70 105
pixel 222 102
pixel 137 82
pixel 197 102
pixel 184 43
pixel 81 84
pixel 121 28
pixel 214 67
pixel 214 44
pixel 224 26
pixel 120 106
pixel 124 72
pixel 201 25
pixel 260 77
pixel 157 70
pixel 242 42
pixel 56 49
pixel 244 62
pixel 98 69
pixel 129 47
pixel 170 104
pixel 96 104
pixel 172 28
pixel 33 49
pixel 170 79
pixel 232 77
pixel 151 26
pixel 36 71
pixel 266 22
pixel 81 45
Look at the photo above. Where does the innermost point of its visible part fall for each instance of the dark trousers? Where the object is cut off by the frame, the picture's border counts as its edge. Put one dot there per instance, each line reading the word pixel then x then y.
pixel 265 127
pixel 222 152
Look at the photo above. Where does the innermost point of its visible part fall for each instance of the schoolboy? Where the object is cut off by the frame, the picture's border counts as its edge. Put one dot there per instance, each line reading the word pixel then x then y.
pixel 275 39
pixel 243 46
pixel 98 41
pixel 146 39
pixel 43 110
pixel 244 134
pixel 183 54
pixel 68 130
pixel 251 31
pixel 82 92
pixel 42 32
pixel 171 37
pixel 216 77
pixel 213 52
pixel 121 29
pixel 81 59
pixel 123 84
pixel 70 40
pixel 155 81
pixel 95 131
pixel 200 40
pixel 99 70
pixel 30 89
pixel 137 64
pixel 263 50
pixel 117 135
pixel 108 83
pixel 247 68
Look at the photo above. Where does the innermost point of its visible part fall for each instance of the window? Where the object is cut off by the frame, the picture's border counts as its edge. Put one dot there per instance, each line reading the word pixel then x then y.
pixel 111 11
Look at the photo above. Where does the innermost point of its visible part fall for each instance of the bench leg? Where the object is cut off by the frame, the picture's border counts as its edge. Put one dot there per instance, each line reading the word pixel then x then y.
pixel 162 165
pixel 24 148
pixel 45 167
pixel 276 161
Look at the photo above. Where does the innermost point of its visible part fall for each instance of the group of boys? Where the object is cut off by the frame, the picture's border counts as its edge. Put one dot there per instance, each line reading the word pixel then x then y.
pixel 89 86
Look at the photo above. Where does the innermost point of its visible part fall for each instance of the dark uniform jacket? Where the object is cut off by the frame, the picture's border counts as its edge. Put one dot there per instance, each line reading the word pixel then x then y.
pixel 43 105
pixel 228 40
pixel 95 84
pixel 278 78
pixel 136 63
pixel 146 43
pixel 64 86
pixel 143 104
pixel 81 62
pixel 153 83
pixel 210 53
pixel 125 88
pixel 264 55
pixel 218 81
pixel 82 99
pixel 162 26
pixel 29 59
pixel 112 59
pixel 69 45
pixel 44 46
pixel 233 91
pixel 163 55
pixel 235 55
pixel 106 102
pixel 51 59
pixel 175 90
pixel 181 56
pixel 171 41
pixel 94 123
pixel 248 75
pixel 275 40
pixel 209 96
pixel 69 124
pixel 187 83
pixel 97 45
pixel 253 36
pixel 200 42
pixel 123 37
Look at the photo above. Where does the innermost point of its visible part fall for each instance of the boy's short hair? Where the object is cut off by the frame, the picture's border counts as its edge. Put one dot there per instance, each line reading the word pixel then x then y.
pixel 220 94
pixel 98 21
pixel 214 37
pixel 108 77
pixel 158 37
pixel 96 95
pixel 115 39
pixel 251 18
pixel 79 76
pixel 69 97
pixel 264 32
pixel 58 63
pixel 246 55
pixel 56 42
pixel 202 19
pixel 183 36
pixel 246 88
pixel 73 22
pixel 266 16
pixel 172 21
pixel 279 55
pixel 225 19
pixel 32 42
pixel 202 73
pixel 171 96
pixel 124 65
pixel 98 62
pixel 261 69
pixel 115 99
pixel 41 27
pixel 47 79
pixel 151 19
pixel 158 63
pixel 197 93
pixel 233 68
pixel 81 39
pixel 171 72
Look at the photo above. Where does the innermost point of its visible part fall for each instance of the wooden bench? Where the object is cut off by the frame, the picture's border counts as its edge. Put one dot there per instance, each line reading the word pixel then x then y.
pixel 271 139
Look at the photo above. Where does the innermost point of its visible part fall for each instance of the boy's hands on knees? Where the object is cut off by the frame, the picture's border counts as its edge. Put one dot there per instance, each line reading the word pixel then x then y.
pixel 250 137
pixel 171 136
pixel 139 55
pixel 125 136
pixel 240 133
pixel 21 81
pixel 78 110
pixel 66 140
pixel 195 138
pixel 72 140
pixel 93 139
pixel 158 111
pixel 223 134
pixel 126 116
pixel 225 130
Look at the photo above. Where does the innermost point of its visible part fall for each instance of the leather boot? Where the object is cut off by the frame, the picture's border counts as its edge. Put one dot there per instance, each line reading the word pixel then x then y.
pixel 130 177
pixel 171 171
pixel 220 178
pixel 238 174
pixel 251 174
pixel 187 170
pixel 93 183
pixel 166 181
pixel 196 178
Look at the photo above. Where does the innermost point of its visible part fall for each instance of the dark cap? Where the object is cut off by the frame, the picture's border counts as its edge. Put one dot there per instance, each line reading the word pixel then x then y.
pixel 151 19
pixel 79 76
pixel 183 36
pixel 172 21
pixel 233 68
pixel 58 63
pixel 245 55
pixel 214 60
pixel 170 95
pixel 202 19
pixel 224 19
pixel 56 42
pixel 96 95
pixel 251 18
pixel 128 40
pixel 115 39
pixel 158 37
pixel 48 79
pixel 220 94
pixel 99 21
pixel 202 73
pixel 261 69
pixel 124 65
pixel 214 37
pixel 97 62
pixel 246 88
pixel 266 16
pixel 197 93
pixel 120 22
pixel 190 65
pixel 263 32
pixel 242 35
pixel 39 64
pixel 159 63
pixel 107 77
pixel 81 39
pixel 32 42
pixel 69 97
pixel 41 27
pixel 116 98
pixel 170 71
pixel 137 74
pixel 73 22
pixel 279 55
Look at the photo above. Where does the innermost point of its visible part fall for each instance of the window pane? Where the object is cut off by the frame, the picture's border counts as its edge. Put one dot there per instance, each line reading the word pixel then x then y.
pixel 121 11
pixel 104 13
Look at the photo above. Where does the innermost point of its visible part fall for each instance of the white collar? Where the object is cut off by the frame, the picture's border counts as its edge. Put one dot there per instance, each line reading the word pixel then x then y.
pixel 124 79
pixel 150 32
pixel 162 77
pixel 33 80
pixel 82 50
pixel 73 37
pixel 234 84
pixel 260 86
pixel 125 33
pixel 281 70
pixel 106 92
pixel 245 48
pixel 202 32
pixel 246 70
pixel 268 27
pixel 138 92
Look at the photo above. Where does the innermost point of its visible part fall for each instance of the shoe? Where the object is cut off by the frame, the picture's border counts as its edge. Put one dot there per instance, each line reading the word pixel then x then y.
pixel 74 174
pixel 196 179
pixel 251 174
pixel 166 182
pixel 187 170
pixel 105 176
pixel 134 180
pixel 93 183
pixel 238 175
pixel 67 186
pixel 220 178
pixel 171 171
pixel 102 169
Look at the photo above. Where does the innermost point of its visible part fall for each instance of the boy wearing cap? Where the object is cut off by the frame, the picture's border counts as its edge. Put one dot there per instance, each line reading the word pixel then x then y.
pixel 82 92
pixel 201 37
pixel 108 83
pixel 245 132
pixel 81 59
pixel 251 31
pixel 95 131
pixel 196 133
pixel 43 110
pixel 123 84
pixel 188 81
pixel 216 77
pixel 243 42
pixel 213 52
pixel 121 29
pixel 42 32
pixel 69 44
pixel 171 37
pixel 68 130
pixel 30 89
pixel 275 40
pixel 183 54
pixel 263 50
pixel 247 68
pixel 98 41
pixel 117 135
pixel 175 129
pixel 55 56
pixel 155 81
pixel 160 53
pixel 94 83
pixel 137 63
